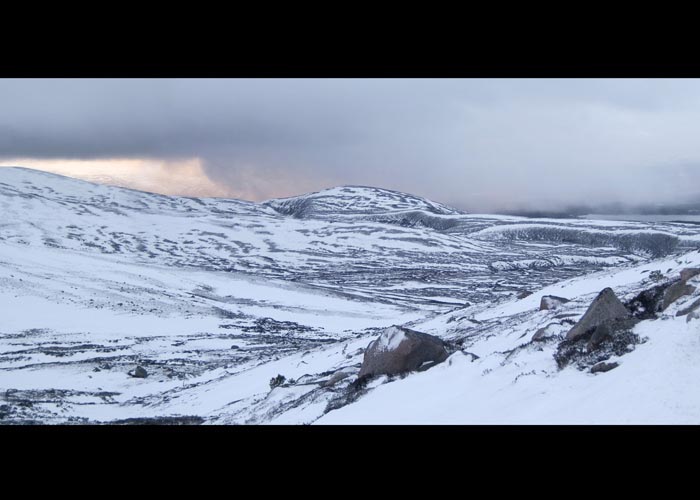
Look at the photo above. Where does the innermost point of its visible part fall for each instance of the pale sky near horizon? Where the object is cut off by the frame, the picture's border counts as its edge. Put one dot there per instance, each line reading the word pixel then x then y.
pixel 477 144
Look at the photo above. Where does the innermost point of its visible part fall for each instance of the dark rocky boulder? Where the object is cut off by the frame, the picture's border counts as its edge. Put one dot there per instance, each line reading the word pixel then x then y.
pixel 606 307
pixel 401 350
pixel 603 367
pixel 648 302
pixel 695 306
pixel 675 292
pixel 689 273
pixel 600 333
pixel 658 298
pixel 524 294
pixel 277 381
pixel 138 372
pixel 693 315
pixel 614 338
pixel 549 302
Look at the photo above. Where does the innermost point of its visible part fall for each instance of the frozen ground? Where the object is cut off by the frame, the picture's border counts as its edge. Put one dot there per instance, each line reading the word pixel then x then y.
pixel 214 298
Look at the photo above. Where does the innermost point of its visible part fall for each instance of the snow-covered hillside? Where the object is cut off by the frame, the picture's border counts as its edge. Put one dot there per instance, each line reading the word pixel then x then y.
pixel 214 298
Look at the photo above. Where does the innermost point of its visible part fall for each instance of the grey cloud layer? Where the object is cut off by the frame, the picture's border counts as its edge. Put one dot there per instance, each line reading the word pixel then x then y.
pixel 479 144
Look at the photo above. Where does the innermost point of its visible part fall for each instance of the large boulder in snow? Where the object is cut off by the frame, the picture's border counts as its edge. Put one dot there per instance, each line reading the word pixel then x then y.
pixel 549 302
pixel 399 350
pixel 138 372
pixel 675 292
pixel 605 308
pixel 689 273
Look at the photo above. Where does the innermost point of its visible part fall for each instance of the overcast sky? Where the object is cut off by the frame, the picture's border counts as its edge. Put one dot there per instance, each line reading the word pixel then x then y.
pixel 480 144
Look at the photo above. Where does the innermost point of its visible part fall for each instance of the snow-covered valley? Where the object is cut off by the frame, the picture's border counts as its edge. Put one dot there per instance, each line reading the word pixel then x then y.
pixel 215 298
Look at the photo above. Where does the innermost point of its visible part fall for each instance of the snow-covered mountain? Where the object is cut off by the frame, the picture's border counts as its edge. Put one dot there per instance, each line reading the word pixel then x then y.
pixel 356 200
pixel 216 297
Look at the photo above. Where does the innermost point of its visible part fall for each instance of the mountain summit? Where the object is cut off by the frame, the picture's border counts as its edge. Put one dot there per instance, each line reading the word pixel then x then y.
pixel 356 200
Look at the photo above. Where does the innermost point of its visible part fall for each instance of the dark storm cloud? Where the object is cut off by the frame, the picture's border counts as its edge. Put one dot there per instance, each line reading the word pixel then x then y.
pixel 479 144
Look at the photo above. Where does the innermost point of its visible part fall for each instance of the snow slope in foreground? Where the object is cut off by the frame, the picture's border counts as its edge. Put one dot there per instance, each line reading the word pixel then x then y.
pixel 654 384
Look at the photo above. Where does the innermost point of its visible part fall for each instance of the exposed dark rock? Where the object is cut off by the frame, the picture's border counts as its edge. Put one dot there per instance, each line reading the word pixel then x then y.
pixel 647 303
pixel 549 302
pixel 179 420
pixel 675 292
pixel 524 294
pixel 695 306
pixel 656 276
pixel 138 372
pixel 605 307
pixel 689 273
pixel 600 333
pixel 616 338
pixel 693 315
pixel 400 350
pixel 277 381
pixel 542 332
pixel 603 367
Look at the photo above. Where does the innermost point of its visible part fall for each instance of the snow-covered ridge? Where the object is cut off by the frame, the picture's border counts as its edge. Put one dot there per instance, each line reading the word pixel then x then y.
pixel 356 200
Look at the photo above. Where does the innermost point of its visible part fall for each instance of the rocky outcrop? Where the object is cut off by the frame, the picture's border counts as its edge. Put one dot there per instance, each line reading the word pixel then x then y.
pixel 400 350
pixel 695 306
pixel 658 298
pixel 605 308
pixel 675 292
pixel 693 315
pixel 138 372
pixel 600 344
pixel 277 381
pixel 549 302
pixel 647 303
pixel 600 333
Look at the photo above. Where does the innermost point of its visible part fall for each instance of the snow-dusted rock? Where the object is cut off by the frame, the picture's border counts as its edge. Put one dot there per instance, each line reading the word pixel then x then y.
pixel 693 315
pixel 546 331
pixel 648 302
pixel 695 306
pixel 606 307
pixel 400 350
pixel 603 367
pixel 138 372
pixel 689 273
pixel 675 292
pixel 550 302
